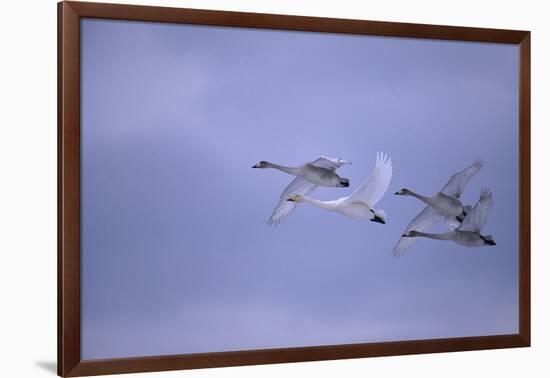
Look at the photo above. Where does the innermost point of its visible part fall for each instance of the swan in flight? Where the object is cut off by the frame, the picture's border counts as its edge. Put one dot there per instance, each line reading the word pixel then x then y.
pixel 359 204
pixel 429 216
pixel 302 185
pixel 425 220
pixel 447 201
pixel 468 234
pixel 319 172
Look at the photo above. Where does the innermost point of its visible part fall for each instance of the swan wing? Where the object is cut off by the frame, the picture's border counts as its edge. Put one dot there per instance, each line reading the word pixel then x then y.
pixel 422 222
pixel 451 223
pixel 329 163
pixel 477 218
pixel 459 180
pixel 283 209
pixel 373 189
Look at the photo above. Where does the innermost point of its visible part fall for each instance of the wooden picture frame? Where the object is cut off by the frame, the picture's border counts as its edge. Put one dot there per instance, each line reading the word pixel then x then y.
pixel 70 362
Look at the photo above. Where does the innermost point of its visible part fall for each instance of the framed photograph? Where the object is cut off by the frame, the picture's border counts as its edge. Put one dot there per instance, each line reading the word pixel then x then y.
pixel 240 188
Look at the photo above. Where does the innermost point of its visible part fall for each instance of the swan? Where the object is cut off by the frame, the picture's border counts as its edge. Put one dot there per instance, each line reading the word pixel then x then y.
pixel 429 216
pixel 468 234
pixel 447 201
pixel 423 221
pixel 359 204
pixel 318 172
pixel 300 185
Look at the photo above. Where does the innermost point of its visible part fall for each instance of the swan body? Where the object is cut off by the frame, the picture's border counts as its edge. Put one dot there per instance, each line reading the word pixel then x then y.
pixel 468 234
pixel 355 210
pixel 444 204
pixel 447 201
pixel 319 172
pixel 359 204
pixel 315 174
pixel 464 238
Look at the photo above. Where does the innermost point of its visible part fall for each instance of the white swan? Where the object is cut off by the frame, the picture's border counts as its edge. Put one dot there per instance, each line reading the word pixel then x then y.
pixel 319 172
pixel 300 185
pixel 468 234
pixel 360 204
pixel 447 201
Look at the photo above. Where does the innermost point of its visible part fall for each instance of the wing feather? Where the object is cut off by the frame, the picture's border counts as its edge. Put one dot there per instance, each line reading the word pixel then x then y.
pixel 329 163
pixel 374 188
pixel 425 220
pixel 283 209
pixel 477 218
pixel 459 180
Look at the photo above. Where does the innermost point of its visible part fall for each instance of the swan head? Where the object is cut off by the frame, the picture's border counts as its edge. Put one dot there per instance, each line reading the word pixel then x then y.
pixel 410 234
pixel 403 192
pixel 295 198
pixel 488 239
pixel 262 164
pixel 344 182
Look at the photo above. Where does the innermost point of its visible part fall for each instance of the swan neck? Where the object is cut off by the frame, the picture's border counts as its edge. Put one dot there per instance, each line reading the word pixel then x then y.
pixel 290 170
pixel 330 205
pixel 420 197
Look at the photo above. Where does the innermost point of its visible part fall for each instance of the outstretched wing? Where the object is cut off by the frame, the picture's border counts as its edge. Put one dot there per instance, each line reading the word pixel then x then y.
pixel 459 180
pixel 477 218
pixel 283 209
pixel 329 163
pixel 373 189
pixel 422 222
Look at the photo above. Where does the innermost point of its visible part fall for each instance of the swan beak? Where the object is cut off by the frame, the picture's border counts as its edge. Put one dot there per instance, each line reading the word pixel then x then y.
pixel 404 236
pixel 397 193
pixel 378 220
pixel 255 166
pixel 290 199
pixel 344 184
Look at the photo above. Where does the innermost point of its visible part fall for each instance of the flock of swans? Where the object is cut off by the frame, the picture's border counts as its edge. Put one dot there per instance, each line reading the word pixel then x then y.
pixel 463 222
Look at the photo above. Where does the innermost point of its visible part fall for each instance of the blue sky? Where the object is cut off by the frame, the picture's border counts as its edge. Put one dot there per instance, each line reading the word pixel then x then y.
pixel 176 253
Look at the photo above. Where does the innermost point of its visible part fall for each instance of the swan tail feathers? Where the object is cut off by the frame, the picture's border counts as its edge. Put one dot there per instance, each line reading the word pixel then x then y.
pixel 380 213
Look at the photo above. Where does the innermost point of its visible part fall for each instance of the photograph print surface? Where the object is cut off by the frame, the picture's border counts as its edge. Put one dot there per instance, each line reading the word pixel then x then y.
pixel 253 189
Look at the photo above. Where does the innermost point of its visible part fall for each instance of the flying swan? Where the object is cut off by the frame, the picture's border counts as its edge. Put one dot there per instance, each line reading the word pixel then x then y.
pixel 468 234
pixel 319 172
pixel 309 176
pixel 429 216
pixel 447 201
pixel 425 220
pixel 359 204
